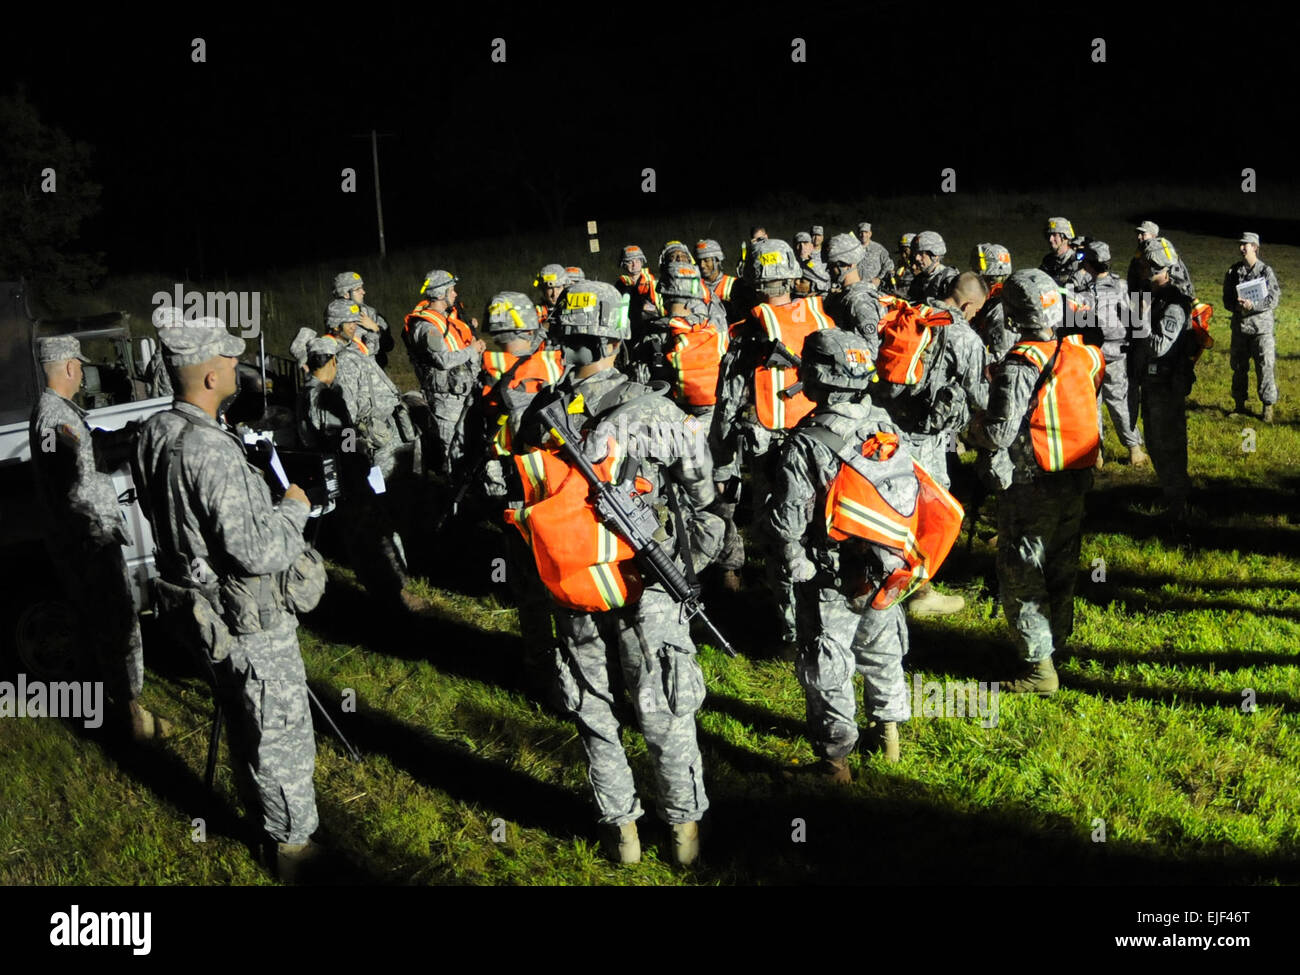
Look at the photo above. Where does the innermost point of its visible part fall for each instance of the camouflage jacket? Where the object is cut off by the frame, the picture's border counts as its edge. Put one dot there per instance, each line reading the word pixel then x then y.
pixel 378 344
pixel 323 413
pixel 1260 318
pixel 1109 311
pixel 1060 268
pixel 370 400
pixel 876 264
pixel 933 285
pixel 78 502
pixel 1168 350
pixel 858 307
pixel 991 326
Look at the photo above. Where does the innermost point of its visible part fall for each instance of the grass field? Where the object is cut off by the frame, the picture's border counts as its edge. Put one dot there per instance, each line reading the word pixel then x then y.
pixel 466 780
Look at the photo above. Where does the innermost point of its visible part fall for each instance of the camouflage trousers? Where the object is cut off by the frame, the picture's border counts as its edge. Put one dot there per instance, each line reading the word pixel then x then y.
pixel 1136 368
pixel 838 642
pixel 782 589
pixel 447 430
pixel 1113 395
pixel 1262 351
pixel 646 649
pixel 1164 403
pixel 96 583
pixel 272 741
pixel 1040 532
pixel 533 601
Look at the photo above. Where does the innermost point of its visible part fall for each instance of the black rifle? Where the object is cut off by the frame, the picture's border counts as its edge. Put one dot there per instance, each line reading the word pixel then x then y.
pixel 626 514
pixel 780 357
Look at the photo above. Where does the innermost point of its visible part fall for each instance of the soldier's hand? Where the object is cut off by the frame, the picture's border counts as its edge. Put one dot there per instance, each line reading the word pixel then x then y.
pixel 479 346
pixel 802 571
pixel 295 493
pixel 368 323
pixel 1247 304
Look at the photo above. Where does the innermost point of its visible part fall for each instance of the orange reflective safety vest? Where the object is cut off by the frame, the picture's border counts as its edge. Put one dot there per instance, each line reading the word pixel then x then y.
pixel 722 287
pixel 696 358
pixel 887 498
pixel 1201 337
pixel 455 333
pixel 1063 424
pixel 905 335
pixel 543 313
pixel 994 291
pixel 643 284
pixel 790 325
pixel 584 565
pixel 543 368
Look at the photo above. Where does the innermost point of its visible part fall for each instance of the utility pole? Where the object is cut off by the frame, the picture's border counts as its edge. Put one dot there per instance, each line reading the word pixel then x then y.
pixel 379 203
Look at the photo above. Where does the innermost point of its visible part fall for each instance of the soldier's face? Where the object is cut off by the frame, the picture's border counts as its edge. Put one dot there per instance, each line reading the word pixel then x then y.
pixel 227 376
pixel 349 330
pixel 817 241
pixel 1057 242
pixel 864 237
pixel 1248 251
pixel 358 294
pixel 452 295
pixel 632 266
pixel 553 292
pixel 709 266
pixel 1143 238
pixel 922 262
pixel 803 249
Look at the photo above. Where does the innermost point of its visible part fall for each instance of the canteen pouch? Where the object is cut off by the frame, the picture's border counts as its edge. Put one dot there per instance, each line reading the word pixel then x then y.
pixel 303 585
pixel 189 617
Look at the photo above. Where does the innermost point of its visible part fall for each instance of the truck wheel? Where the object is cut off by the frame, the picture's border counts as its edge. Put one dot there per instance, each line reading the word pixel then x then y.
pixel 47 640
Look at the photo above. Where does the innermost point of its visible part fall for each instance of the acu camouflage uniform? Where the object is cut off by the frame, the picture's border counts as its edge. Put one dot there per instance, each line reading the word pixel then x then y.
pixel 645 647
pixel 1110 311
pixel 447 379
pixel 1060 268
pixel 84 534
pixel 218 530
pixel 835 641
pixel 1168 380
pixel 858 308
pixel 876 264
pixel 932 285
pixel 1252 332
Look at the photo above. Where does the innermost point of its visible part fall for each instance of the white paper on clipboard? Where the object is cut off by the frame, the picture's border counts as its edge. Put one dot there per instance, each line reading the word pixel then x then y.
pixel 376 480
pixel 1255 290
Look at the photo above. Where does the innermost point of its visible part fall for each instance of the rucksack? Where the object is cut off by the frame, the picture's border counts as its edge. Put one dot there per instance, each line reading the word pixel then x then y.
pixel 905 335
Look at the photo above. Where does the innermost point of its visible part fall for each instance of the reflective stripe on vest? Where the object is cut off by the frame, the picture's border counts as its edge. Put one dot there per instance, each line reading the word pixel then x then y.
pixel 722 287
pixel 543 368
pixel 696 357
pixel 455 333
pixel 1063 424
pixel 585 566
pixel 789 324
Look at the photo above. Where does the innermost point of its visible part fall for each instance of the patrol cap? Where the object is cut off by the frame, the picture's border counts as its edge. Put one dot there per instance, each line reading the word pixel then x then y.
pixel 930 242
pixel 838 358
pixel 345 282
pixel 510 311
pixel 906 240
pixel 59 348
pixel 593 308
pixel 708 248
pixel 299 346
pixel 1249 238
pixel 633 253
pixel 1097 251
pixel 340 311
pixel 990 260
pixel 1032 300
pixel 817 230
pixel 1148 227
pixel 323 345
pixel 845 249
pixel 772 260
pixel 198 340
pixel 552 276
pixel 681 281
pixel 1159 253
pixel 863 226
pixel 165 316
pixel 575 274
pixel 1059 225
pixel 803 237
pixel 436 283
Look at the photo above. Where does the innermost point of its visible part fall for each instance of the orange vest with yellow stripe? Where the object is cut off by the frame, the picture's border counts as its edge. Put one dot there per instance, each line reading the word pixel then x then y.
pixel 1063 424
pixel 696 358
pixel 790 325
pixel 722 287
pixel 922 536
pixel 543 368
pixel 585 566
pixel 905 335
pixel 455 333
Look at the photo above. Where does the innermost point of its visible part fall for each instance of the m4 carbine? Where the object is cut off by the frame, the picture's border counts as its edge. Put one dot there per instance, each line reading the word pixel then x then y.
pixel 782 358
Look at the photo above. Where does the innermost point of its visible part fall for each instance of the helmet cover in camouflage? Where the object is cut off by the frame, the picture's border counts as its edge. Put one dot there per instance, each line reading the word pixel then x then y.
pixel 906 240
pixel 510 311
pixel 437 283
pixel 345 282
pixel 593 308
pixel 323 345
pixel 1032 300
pixel 1097 251
pixel 814 272
pixel 1159 253
pixel 339 312
pixel 680 281
pixel 930 242
pixel 575 274
pixel 772 260
pixel 672 248
pixel 1059 225
pixel 708 248
pixel 298 347
pixel 990 260
pixel 633 253
pixel 552 276
pixel 803 237
pixel 845 249
pixel 838 358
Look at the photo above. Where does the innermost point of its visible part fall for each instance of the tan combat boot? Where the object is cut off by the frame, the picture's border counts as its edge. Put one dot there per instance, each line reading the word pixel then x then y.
pixel 731 580
pixel 882 737
pixel 145 725
pixel 1137 457
pixel 1037 678
pixel 293 860
pixel 622 844
pixel 928 601
pixel 1268 413
pixel 686 843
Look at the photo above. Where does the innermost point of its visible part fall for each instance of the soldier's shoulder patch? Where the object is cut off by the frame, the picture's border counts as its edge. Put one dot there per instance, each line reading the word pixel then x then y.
pixel 693 425
pixel 68 433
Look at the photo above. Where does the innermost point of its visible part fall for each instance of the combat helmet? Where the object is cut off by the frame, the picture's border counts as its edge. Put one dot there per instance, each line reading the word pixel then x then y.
pixel 837 358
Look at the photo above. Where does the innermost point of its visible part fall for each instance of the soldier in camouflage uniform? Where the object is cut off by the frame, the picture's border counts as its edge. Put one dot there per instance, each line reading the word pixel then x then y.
pixel 374 332
pixel 1061 261
pixel 933 278
pixel 992 262
pixel 876 264
pixel 1107 302
pixel 838 637
pixel 1040 514
pixel 855 304
pixel 84 533
pixel 550 283
pixel 645 647
pixel 724 287
pixel 1169 377
pixel 155 373
pixel 218 533
pixel 900 282
pixel 1252 328
pixel 321 409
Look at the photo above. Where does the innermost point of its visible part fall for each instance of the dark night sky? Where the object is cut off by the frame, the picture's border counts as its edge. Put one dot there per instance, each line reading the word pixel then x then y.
pixel 242 155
